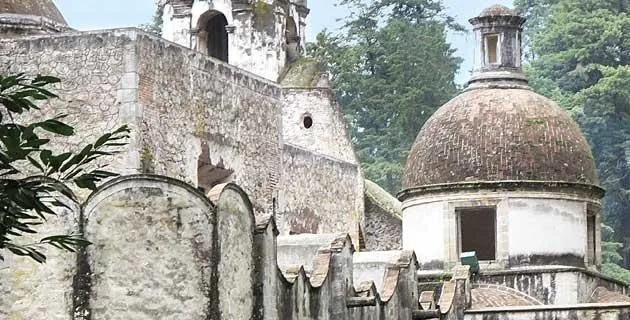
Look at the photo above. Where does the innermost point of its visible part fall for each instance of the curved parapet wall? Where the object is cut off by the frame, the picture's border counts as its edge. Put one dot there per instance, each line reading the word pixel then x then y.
pixel 153 251
pixel 235 237
pixel 29 290
pixel 163 250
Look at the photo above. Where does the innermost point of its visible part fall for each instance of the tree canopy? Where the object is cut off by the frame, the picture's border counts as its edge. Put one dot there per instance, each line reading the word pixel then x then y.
pixel 580 55
pixel 379 63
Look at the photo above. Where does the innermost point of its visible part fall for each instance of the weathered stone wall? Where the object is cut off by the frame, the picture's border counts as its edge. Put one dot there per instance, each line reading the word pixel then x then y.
pixel 174 100
pixel 553 286
pixel 153 255
pixel 235 235
pixel 312 120
pixel 318 194
pixel 190 101
pixel 96 90
pixel 382 219
pixel 594 312
pixel 29 290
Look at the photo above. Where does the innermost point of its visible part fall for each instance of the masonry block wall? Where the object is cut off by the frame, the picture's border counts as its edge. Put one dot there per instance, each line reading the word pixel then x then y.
pixel 173 99
pixel 308 186
pixel 94 92
pixel 312 120
pixel 188 99
pixel 162 249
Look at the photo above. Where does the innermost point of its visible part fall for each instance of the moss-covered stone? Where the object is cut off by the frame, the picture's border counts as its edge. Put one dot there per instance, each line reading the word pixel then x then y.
pixel 304 72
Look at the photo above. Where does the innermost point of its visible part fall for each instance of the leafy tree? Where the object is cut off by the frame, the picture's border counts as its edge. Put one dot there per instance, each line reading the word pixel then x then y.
pixel 391 68
pixel 537 12
pixel 32 176
pixel 611 257
pixel 155 26
pixel 581 58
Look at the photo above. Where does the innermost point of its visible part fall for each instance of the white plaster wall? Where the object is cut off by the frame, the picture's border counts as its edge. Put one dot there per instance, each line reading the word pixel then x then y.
pixel 423 231
pixel 566 286
pixel 546 226
pixel 327 136
pixel 201 7
pixel 175 28
pixel 528 223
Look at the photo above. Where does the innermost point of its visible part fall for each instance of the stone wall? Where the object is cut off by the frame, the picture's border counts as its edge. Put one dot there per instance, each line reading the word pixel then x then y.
pixel 312 120
pixel 30 290
pixel 190 102
pixel 153 252
pixel 553 285
pixel 586 312
pixel 382 219
pixel 94 92
pixel 318 194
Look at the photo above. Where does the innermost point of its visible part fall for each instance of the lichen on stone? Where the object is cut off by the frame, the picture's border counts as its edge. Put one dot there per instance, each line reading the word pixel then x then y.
pixel 383 199
pixel 304 73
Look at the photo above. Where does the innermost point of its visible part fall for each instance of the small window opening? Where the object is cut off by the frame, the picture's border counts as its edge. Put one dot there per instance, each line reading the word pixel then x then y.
pixel 492 48
pixel 591 238
pixel 307 121
pixel 518 49
pixel 477 232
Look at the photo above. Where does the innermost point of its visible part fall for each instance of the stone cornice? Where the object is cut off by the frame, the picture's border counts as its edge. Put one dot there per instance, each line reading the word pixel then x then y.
pixel 586 190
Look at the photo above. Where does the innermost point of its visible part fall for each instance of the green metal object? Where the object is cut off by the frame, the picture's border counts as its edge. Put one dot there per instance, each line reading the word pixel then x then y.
pixel 470 259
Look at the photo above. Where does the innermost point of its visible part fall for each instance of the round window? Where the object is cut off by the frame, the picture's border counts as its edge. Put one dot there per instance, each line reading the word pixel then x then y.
pixel 307 121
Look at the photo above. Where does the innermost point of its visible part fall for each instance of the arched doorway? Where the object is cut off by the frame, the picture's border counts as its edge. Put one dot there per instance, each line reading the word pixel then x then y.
pixel 292 40
pixel 213 35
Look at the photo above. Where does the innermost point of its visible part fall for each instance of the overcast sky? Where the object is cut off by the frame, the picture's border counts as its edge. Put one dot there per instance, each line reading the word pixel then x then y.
pixel 99 14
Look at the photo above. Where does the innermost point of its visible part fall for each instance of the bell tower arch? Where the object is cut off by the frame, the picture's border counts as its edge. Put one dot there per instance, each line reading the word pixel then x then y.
pixel 260 36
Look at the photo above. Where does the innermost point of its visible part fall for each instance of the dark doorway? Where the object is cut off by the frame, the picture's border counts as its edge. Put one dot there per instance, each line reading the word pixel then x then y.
pixel 591 238
pixel 217 42
pixel 477 231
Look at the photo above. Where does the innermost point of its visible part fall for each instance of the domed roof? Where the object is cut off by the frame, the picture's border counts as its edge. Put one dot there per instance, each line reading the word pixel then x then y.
pixel 497 10
pixel 32 9
pixel 499 134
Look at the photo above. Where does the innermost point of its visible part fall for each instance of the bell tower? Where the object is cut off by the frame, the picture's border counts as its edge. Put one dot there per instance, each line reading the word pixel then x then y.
pixel 260 36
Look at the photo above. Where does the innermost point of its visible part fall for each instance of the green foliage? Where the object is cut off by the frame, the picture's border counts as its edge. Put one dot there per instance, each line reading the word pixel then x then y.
pixel 155 26
pixel 615 271
pixel 33 177
pixel 391 68
pixel 581 59
pixel 611 257
pixel 537 12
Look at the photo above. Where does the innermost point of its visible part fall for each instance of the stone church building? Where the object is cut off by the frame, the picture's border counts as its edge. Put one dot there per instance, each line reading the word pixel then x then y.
pixel 240 196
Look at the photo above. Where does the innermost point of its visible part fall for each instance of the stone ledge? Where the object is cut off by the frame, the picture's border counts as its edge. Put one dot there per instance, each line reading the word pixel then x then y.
pixel 582 306
pixel 586 190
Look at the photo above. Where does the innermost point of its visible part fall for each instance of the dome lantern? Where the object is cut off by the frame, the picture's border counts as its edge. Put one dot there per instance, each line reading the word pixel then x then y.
pixel 498 49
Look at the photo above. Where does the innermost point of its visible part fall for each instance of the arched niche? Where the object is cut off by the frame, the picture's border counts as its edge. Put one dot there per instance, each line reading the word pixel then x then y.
pixel 292 40
pixel 212 36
